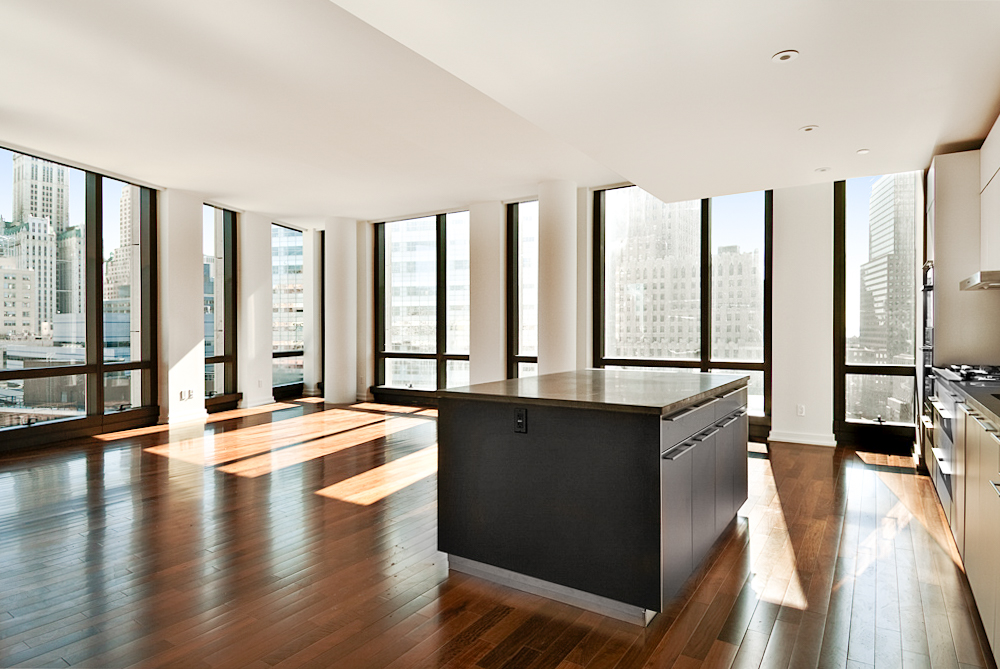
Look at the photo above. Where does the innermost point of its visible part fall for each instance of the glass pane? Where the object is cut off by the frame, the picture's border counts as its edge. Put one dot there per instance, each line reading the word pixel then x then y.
pixel 286 297
pixel 527 369
pixel 755 389
pixel 41 263
pixel 527 274
pixel 122 390
pixel 28 401
pixel 738 277
pixel 413 374
pixel 215 379
pixel 652 276
pixel 882 398
pixel 212 253
pixel 122 280
pixel 286 371
pixel 880 286
pixel 457 254
pixel 458 373
pixel 411 286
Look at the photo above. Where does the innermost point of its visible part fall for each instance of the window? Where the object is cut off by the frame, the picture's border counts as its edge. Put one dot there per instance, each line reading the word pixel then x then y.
pixel 219 253
pixel 703 267
pixel 287 304
pixel 81 343
pixel 875 270
pixel 422 310
pixel 522 289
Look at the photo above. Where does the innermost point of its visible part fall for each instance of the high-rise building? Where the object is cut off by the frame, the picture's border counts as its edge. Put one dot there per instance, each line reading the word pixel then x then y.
pixel 886 310
pixel 888 279
pixel 118 269
pixel 41 190
pixel 18 290
pixel 32 245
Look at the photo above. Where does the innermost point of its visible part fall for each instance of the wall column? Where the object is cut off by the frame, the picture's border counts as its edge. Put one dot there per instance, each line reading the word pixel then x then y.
pixel 557 294
pixel 312 297
pixel 487 290
pixel 254 316
pixel 802 315
pixel 341 299
pixel 182 307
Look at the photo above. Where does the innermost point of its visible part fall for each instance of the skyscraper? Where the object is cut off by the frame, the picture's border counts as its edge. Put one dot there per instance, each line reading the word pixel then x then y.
pixel 41 190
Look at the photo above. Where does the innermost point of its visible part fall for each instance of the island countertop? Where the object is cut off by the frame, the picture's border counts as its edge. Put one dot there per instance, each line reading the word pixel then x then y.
pixel 629 391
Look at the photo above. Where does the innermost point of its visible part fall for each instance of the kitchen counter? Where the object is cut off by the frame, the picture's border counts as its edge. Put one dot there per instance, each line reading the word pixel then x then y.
pixel 554 484
pixel 984 394
pixel 629 391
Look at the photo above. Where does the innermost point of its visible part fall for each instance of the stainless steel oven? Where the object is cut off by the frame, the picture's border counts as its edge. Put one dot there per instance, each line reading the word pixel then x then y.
pixel 944 407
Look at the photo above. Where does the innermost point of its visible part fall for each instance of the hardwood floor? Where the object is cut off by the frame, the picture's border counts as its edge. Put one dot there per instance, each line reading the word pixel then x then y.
pixel 304 535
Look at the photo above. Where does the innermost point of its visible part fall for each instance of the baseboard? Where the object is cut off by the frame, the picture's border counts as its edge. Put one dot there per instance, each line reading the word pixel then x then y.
pixel 536 586
pixel 803 438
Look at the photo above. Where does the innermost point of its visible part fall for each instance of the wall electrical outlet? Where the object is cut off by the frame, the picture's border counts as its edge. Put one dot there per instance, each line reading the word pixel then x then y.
pixel 521 420
pixel 800 410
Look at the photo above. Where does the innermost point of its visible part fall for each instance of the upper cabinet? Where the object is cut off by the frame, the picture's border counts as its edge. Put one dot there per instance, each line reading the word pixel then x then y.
pixel 989 166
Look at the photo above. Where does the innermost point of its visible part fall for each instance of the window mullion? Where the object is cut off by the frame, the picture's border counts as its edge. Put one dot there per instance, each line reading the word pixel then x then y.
pixel 94 298
pixel 441 256
pixel 706 283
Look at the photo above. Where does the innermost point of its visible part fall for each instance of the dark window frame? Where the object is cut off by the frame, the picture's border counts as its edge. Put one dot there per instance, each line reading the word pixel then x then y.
pixel 759 425
pixel 288 390
pixel 97 418
pixel 894 438
pixel 230 396
pixel 514 293
pixel 440 356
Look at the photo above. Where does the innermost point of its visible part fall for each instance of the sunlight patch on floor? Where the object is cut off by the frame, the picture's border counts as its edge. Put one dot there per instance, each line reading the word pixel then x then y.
pixel 377 484
pixel 294 455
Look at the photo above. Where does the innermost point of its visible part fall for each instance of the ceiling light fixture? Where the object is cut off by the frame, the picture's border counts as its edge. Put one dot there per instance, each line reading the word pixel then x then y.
pixel 785 56
pixel 809 128
pixel 862 152
pixel 822 169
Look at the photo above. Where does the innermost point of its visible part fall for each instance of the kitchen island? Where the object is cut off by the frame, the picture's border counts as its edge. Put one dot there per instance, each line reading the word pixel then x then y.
pixel 600 488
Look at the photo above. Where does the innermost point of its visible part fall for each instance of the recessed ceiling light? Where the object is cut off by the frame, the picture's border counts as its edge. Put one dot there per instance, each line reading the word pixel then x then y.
pixel 785 56
pixel 809 128
pixel 822 169
pixel 862 152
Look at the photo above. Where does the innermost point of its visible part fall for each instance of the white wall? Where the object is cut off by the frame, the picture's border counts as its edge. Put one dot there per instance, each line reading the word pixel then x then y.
pixel 254 314
pixel 181 303
pixel 340 379
pixel 487 292
pixel 802 316
pixel 584 278
pixel 557 276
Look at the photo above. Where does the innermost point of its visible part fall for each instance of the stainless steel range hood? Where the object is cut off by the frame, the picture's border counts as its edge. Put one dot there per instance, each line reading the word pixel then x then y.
pixel 981 281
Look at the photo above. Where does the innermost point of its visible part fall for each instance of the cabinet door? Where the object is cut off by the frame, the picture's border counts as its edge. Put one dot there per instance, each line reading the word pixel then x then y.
pixel 725 473
pixel 742 491
pixel 989 504
pixel 958 478
pixel 974 557
pixel 703 494
pixel 676 555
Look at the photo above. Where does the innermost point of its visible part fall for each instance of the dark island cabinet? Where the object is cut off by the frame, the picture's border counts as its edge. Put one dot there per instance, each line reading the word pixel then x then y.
pixel 600 487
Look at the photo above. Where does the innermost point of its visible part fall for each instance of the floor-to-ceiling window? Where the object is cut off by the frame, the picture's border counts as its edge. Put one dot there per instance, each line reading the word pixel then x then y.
pixel 685 286
pixel 287 305
pixel 877 223
pixel 522 289
pixel 77 262
pixel 422 303
pixel 219 254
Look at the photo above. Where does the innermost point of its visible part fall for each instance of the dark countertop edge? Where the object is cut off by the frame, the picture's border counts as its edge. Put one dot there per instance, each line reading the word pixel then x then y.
pixel 602 406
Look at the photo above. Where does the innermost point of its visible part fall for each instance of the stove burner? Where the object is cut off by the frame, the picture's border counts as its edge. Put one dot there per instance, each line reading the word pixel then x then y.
pixel 979 373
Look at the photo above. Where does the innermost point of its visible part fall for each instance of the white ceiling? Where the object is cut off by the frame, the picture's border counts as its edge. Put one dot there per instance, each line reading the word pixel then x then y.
pixel 301 110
